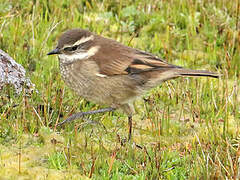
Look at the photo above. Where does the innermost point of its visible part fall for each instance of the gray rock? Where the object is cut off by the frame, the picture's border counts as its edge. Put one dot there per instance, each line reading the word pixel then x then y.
pixel 14 74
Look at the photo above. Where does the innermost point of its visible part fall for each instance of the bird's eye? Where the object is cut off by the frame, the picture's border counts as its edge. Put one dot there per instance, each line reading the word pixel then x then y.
pixel 73 48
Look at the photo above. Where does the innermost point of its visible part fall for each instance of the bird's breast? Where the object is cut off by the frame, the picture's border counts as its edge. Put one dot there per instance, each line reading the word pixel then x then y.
pixel 83 78
pixel 77 76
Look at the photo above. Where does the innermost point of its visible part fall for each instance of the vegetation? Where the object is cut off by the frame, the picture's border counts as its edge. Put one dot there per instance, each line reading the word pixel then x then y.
pixel 187 128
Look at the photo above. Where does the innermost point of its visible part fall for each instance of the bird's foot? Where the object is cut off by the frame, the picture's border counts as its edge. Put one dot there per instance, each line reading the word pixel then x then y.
pixel 128 142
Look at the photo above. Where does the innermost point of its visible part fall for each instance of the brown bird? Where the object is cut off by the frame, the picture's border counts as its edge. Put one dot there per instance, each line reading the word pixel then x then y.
pixel 107 72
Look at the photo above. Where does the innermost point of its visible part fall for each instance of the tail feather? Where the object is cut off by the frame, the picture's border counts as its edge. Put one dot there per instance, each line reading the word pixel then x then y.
pixel 190 72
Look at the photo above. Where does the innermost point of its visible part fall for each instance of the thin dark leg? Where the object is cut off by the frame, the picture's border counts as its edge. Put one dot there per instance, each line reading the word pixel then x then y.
pixel 81 114
pixel 130 127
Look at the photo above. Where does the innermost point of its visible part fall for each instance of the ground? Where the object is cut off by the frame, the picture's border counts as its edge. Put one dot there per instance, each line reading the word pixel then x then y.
pixel 188 128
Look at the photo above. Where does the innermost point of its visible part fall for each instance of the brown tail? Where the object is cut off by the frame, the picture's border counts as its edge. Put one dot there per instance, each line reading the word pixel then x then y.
pixel 190 72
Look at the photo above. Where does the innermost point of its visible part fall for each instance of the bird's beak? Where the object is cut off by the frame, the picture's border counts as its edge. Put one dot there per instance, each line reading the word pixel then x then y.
pixel 55 51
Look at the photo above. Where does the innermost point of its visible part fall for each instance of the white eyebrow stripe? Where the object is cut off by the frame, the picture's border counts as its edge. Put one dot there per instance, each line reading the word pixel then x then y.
pixel 80 41
pixel 83 40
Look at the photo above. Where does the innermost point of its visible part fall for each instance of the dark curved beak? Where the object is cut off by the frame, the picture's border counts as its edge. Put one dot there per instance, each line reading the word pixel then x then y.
pixel 55 51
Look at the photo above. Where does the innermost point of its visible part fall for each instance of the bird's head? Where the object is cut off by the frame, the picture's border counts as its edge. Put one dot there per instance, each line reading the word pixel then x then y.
pixel 75 44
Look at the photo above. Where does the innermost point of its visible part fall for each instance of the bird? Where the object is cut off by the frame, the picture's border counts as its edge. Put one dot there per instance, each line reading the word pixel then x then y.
pixel 106 72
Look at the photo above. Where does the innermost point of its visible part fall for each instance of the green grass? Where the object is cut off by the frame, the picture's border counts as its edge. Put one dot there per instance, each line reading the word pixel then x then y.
pixel 188 128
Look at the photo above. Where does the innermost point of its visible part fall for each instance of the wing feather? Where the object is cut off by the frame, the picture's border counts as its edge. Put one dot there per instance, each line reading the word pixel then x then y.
pixel 116 59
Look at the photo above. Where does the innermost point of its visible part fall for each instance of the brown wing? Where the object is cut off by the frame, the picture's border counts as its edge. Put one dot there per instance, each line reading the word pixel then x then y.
pixel 114 59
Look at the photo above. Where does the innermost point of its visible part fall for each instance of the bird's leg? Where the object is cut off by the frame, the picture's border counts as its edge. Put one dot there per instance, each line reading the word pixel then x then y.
pixel 81 114
pixel 130 127
pixel 129 110
pixel 130 134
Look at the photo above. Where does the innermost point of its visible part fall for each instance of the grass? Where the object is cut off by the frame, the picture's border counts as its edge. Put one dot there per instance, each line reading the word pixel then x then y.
pixel 188 128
